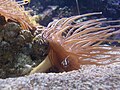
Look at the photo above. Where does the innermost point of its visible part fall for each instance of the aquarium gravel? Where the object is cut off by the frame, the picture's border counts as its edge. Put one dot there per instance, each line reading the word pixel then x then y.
pixel 89 77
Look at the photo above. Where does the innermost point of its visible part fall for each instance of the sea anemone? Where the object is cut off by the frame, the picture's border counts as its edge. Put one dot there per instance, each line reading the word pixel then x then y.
pixel 11 10
pixel 78 40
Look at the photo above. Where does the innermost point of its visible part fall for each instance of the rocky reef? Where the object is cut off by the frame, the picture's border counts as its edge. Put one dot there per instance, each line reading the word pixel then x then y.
pixel 20 50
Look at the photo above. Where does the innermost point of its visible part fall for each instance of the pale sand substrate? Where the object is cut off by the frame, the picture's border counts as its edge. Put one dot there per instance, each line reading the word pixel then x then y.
pixel 90 77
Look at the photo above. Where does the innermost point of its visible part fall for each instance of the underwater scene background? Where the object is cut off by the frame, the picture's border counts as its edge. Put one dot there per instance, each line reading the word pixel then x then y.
pixel 67 8
pixel 31 30
pixel 59 44
pixel 48 10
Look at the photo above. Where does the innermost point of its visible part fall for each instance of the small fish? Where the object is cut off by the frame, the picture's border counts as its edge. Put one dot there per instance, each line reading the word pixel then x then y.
pixel 26 1
pixel 23 2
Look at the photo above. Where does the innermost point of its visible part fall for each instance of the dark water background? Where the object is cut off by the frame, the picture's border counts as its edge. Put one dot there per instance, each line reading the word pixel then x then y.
pixel 66 8
pixel 52 9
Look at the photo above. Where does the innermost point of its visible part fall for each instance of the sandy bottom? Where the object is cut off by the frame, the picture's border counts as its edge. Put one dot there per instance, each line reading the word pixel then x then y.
pixel 88 77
